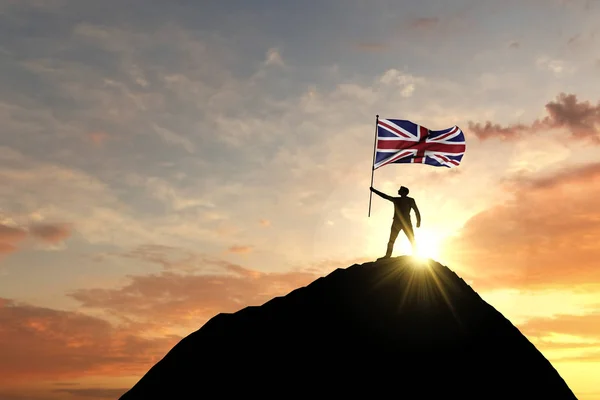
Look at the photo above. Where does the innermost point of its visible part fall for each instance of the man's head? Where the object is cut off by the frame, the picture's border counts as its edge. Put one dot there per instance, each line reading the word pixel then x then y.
pixel 403 191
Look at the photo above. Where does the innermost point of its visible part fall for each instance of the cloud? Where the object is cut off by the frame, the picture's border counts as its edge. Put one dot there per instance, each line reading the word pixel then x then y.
pixel 94 393
pixel 192 287
pixel 51 233
pixel 98 138
pixel 238 249
pixel 30 187
pixel 189 300
pixel 129 328
pixel 557 67
pixel 372 46
pixel 195 283
pixel 587 356
pixel 187 111
pixel 514 44
pixel 66 384
pixel 574 176
pixel 10 237
pixel 149 315
pixel 566 337
pixel 176 301
pixel 580 119
pixel 40 343
pixel 175 138
pixel 454 22
pixel 25 395
pixel 34 190
pixel 584 326
pixel 274 57
pixel 425 23
pixel 175 198
pixel 544 234
pixel 169 258
pixel 264 222
pixel 489 130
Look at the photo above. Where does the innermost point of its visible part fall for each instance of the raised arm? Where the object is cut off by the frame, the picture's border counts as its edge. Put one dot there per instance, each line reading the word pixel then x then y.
pixel 385 196
pixel 417 213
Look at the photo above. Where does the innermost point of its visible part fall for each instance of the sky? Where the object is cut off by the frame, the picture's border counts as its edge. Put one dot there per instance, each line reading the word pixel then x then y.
pixel 165 161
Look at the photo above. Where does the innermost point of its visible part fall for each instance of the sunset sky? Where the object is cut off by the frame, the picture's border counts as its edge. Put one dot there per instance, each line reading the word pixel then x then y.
pixel 164 161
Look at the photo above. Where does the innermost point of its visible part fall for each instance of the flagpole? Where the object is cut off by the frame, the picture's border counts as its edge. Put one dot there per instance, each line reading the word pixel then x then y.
pixel 373 163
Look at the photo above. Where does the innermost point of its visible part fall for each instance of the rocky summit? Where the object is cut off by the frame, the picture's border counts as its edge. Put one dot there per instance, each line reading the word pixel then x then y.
pixel 399 327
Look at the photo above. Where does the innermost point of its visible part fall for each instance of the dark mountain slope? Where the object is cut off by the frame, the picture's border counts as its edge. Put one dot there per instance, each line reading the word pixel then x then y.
pixel 392 328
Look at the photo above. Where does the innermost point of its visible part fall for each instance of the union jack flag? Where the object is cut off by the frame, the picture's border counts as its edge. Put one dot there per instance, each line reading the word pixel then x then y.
pixel 403 141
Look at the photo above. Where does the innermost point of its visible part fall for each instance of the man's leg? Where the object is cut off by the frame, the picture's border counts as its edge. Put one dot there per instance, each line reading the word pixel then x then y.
pixel 393 235
pixel 410 234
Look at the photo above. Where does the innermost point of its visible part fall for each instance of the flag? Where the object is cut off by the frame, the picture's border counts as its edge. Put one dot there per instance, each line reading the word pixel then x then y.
pixel 403 141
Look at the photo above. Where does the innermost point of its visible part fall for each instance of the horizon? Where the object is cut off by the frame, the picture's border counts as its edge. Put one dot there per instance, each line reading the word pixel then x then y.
pixel 165 162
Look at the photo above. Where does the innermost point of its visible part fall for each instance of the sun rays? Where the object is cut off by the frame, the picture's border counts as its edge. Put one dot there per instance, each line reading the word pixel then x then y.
pixel 424 279
pixel 428 244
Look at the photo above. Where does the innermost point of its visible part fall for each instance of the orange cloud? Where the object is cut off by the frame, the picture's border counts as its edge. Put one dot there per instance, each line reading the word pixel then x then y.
pixel 587 325
pixel 546 235
pixel 191 299
pixel 39 343
pixel 42 344
pixel 51 233
pixel 11 233
pixel 154 311
pixel 168 257
pixel 95 393
pixel 237 249
pixel 56 392
pixel 10 237
pixel 425 22
pixel 98 138
pixel 265 222
pixel 590 356
pixel 452 24
pixel 581 119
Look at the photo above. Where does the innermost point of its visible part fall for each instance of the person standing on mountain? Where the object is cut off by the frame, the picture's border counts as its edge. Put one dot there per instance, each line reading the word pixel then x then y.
pixel 401 221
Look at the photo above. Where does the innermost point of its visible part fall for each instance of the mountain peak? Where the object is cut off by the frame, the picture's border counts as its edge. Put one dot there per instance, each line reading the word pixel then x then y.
pixel 401 325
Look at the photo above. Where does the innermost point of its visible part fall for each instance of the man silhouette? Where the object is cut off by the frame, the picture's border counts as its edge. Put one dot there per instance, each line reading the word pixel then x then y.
pixel 401 221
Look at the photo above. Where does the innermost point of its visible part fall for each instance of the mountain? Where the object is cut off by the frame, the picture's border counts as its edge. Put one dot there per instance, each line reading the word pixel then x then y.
pixel 398 327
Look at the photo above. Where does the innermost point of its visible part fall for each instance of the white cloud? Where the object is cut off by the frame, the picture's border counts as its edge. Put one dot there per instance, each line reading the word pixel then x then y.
pixel 174 138
pixel 274 57
pixel 557 67
pixel 176 200
pixel 408 90
pixel 138 75
pixel 405 81
pixel 33 191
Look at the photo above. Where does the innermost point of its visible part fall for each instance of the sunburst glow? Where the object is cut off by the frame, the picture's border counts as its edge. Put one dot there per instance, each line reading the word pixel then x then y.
pixel 428 244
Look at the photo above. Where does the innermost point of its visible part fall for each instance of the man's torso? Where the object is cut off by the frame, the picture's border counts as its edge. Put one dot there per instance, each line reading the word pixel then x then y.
pixel 402 207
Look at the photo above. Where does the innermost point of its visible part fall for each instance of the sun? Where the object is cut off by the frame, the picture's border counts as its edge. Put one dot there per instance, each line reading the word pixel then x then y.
pixel 428 244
